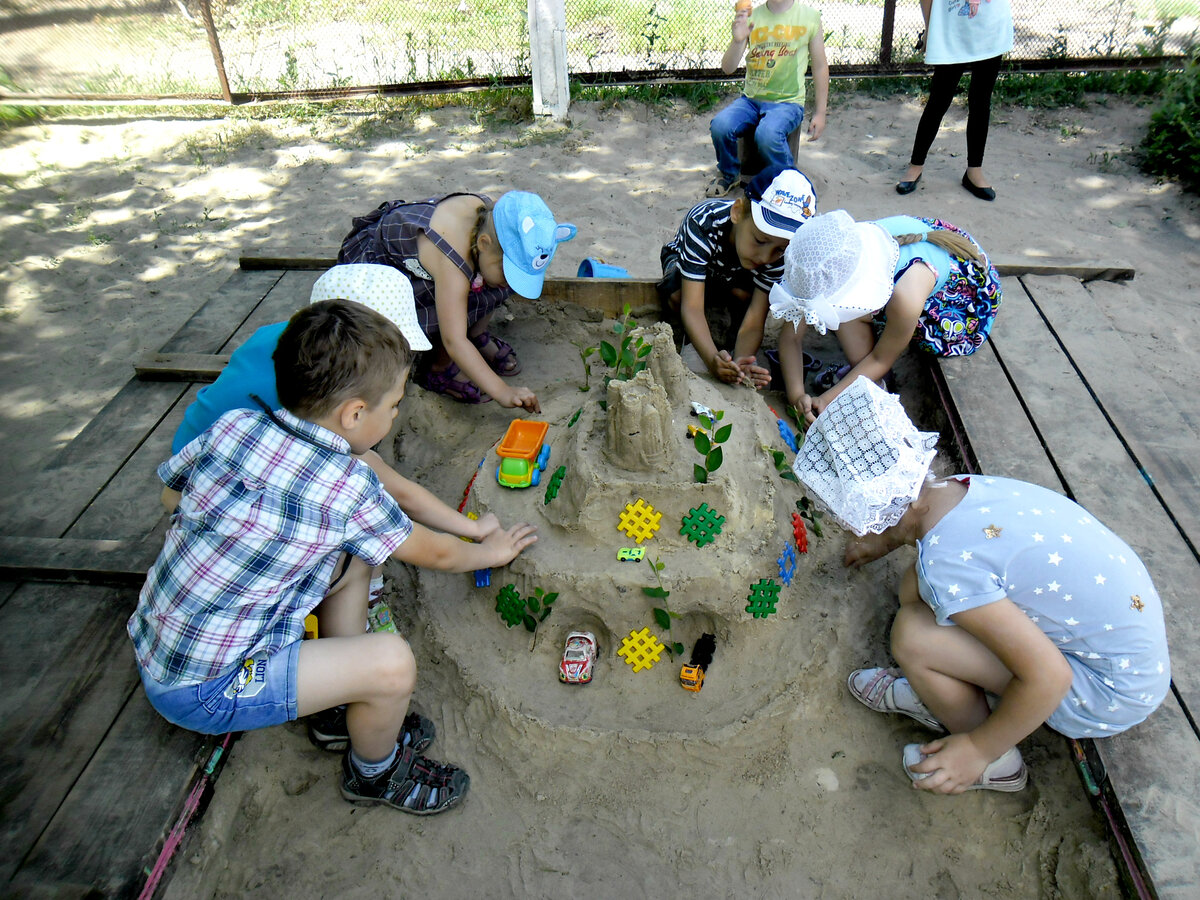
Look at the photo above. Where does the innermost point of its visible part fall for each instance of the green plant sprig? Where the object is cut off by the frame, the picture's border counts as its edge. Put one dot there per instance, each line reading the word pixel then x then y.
pixel 708 444
pixel 662 614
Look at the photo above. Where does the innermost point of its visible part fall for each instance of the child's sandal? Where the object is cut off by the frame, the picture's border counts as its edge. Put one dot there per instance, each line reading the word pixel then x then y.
pixel 444 382
pixel 503 360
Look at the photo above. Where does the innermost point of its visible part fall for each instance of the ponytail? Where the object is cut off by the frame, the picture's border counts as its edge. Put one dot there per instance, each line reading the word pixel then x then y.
pixel 954 244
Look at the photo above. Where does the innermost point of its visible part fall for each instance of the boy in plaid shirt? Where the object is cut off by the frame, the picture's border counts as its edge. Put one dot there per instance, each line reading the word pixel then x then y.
pixel 279 517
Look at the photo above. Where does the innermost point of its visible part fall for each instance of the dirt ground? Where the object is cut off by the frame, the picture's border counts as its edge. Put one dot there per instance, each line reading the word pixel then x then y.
pixel 772 782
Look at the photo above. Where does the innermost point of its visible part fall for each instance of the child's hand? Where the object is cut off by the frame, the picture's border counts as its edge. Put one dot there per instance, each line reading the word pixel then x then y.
pixel 749 368
pixel 741 26
pixel 522 397
pixel 865 549
pixel 804 405
pixel 952 764
pixel 725 368
pixel 483 526
pixel 816 126
pixel 503 546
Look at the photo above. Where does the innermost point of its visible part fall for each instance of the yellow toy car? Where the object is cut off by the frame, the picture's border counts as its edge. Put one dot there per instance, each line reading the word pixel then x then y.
pixel 631 554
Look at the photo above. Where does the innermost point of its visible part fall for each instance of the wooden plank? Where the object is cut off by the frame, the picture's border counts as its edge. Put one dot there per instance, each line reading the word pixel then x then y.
pixel 1153 773
pixel 205 367
pixel 76 475
pixel 1001 437
pixel 75 561
pixel 68 671
pixel 1087 270
pixel 1084 271
pixel 1100 475
pixel 1103 477
pixel 1161 429
pixel 109 829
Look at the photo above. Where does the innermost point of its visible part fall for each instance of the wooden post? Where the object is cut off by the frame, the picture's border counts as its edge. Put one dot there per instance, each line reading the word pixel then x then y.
pixel 889 25
pixel 215 45
pixel 548 58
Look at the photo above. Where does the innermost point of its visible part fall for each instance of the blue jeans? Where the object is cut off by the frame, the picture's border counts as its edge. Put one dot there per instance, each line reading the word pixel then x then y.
pixel 260 693
pixel 771 124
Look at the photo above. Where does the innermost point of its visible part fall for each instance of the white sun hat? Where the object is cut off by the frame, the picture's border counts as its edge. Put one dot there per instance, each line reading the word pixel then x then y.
pixel 863 459
pixel 835 270
pixel 382 288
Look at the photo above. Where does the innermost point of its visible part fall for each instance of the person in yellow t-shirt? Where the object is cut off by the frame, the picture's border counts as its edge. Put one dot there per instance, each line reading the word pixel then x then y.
pixel 778 39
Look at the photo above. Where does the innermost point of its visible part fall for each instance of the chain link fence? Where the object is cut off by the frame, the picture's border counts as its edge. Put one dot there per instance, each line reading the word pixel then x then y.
pixel 162 48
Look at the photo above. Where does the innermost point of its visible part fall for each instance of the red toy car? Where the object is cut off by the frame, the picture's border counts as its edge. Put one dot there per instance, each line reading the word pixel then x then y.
pixel 578 657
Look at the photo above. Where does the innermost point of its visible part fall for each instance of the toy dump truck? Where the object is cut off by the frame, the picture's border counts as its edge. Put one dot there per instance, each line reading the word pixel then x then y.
pixel 524 454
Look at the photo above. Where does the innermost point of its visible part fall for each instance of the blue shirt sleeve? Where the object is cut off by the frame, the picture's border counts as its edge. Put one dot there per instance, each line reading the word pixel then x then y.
pixel 251 370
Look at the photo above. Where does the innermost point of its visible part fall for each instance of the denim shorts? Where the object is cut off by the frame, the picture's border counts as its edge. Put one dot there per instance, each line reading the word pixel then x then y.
pixel 259 693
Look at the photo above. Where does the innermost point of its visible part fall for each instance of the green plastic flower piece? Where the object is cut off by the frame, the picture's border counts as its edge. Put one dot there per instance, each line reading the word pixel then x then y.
pixel 555 483
pixel 510 605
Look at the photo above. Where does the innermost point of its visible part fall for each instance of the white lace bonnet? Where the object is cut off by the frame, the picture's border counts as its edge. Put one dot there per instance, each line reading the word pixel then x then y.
pixel 835 270
pixel 863 458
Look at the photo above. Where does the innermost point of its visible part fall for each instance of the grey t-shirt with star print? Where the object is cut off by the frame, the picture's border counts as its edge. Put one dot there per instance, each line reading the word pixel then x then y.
pixel 1073 577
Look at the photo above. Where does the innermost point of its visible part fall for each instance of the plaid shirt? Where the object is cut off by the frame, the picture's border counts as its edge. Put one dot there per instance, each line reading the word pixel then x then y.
pixel 266 512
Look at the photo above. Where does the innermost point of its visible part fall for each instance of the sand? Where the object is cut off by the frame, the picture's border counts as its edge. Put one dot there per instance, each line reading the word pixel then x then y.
pixel 772 781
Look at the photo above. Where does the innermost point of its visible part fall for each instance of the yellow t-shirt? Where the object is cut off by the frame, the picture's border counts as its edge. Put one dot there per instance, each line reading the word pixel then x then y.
pixel 777 53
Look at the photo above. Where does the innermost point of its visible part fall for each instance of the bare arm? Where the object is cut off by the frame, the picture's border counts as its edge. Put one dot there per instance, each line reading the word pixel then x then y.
pixel 740 34
pixel 1041 678
pixel 450 289
pixel 444 552
pixel 820 76
pixel 691 310
pixel 422 506
pixel 903 312
pixel 749 340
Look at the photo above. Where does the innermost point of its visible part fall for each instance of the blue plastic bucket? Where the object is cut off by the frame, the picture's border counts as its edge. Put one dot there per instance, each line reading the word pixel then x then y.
pixel 593 268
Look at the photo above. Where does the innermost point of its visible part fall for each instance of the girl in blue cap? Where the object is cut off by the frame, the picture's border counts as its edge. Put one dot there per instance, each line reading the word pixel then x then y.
pixel 464 255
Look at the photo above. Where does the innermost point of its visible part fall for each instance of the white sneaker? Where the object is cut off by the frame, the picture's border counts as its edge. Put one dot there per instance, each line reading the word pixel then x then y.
pixel 1008 773
pixel 887 691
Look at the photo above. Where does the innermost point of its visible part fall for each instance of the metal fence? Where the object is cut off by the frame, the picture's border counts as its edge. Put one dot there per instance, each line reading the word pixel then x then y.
pixel 238 49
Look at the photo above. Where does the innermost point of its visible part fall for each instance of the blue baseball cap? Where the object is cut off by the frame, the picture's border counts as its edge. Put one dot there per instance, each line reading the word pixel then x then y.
pixel 781 200
pixel 528 237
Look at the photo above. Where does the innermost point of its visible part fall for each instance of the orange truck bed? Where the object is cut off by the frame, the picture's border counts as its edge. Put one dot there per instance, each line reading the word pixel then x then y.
pixel 523 440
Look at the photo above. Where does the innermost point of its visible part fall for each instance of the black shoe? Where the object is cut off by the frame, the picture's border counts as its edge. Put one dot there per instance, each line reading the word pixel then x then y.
pixel 907 187
pixel 981 192
pixel 327 730
pixel 413 784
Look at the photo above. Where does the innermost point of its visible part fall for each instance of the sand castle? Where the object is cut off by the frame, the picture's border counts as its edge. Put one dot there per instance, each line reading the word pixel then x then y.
pixel 636 446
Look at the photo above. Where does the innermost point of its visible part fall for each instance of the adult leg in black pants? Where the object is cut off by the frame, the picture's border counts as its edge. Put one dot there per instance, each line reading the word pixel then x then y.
pixel 942 89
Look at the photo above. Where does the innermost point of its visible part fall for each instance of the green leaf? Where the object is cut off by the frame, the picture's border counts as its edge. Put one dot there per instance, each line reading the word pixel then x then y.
pixel 545 613
pixel 702 443
pixel 662 618
pixel 678 647
pixel 550 598
pixel 534 606
pixel 777 457
pixel 627 357
pixel 618 328
pixel 707 422
pixel 530 623
pixel 719 413
pixel 713 460
pixel 700 474
pixel 723 433
pixel 608 353
pixel 644 350
pixel 656 592
pixel 789 475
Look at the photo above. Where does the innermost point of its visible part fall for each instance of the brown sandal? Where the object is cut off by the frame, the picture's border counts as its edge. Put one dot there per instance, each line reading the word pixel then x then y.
pixel 444 382
pixel 504 361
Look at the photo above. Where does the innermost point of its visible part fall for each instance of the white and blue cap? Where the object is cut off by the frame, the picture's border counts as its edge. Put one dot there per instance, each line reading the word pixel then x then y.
pixel 781 200
pixel 528 237
pixel 381 288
